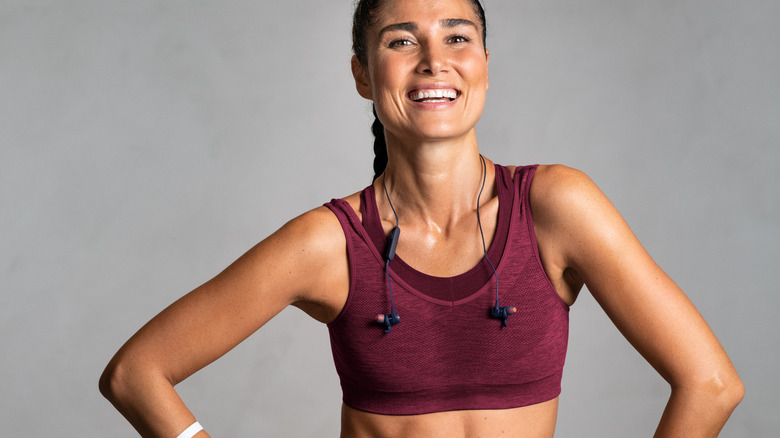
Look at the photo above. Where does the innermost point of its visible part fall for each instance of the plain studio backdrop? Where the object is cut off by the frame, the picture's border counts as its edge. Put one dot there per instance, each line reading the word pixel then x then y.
pixel 145 145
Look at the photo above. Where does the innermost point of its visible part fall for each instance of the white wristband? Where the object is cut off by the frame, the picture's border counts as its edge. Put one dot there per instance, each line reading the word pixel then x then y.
pixel 191 431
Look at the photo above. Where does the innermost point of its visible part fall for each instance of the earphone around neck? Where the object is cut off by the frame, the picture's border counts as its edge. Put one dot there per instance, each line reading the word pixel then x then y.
pixel 393 318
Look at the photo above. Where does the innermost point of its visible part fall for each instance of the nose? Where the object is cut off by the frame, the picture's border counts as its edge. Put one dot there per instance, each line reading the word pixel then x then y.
pixel 433 60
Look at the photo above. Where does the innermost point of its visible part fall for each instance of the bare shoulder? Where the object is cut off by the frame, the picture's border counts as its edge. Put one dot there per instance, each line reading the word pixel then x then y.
pixel 557 181
pixel 313 249
pixel 317 229
pixel 563 194
pixel 574 217
pixel 311 242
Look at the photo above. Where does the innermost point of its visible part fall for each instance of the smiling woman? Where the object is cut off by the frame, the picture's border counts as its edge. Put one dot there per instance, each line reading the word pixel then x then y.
pixel 421 341
pixel 410 55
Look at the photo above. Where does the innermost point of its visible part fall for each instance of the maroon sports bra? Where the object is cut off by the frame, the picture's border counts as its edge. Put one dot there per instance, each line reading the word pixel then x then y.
pixel 447 353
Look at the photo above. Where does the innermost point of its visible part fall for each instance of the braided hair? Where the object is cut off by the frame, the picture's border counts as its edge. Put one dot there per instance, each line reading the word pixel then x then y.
pixel 380 145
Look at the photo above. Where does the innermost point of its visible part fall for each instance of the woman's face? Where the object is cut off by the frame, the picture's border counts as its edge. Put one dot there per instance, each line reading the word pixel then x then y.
pixel 427 71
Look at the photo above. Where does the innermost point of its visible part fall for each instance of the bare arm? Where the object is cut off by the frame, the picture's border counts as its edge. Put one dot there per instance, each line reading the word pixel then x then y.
pixel 590 243
pixel 302 263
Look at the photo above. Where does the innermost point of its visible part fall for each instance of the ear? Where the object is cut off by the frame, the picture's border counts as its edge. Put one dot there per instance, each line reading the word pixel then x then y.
pixel 487 61
pixel 362 83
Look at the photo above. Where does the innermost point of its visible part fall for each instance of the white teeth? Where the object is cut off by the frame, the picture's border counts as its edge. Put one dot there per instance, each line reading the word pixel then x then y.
pixel 438 93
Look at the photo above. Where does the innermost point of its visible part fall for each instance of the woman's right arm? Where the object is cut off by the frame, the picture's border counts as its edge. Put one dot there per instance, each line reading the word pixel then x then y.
pixel 303 263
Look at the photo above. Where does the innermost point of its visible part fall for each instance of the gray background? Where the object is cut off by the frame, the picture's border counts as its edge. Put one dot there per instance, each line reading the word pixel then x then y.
pixel 147 144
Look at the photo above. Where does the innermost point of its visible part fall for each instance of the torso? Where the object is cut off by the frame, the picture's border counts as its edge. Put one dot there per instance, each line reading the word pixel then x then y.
pixel 537 420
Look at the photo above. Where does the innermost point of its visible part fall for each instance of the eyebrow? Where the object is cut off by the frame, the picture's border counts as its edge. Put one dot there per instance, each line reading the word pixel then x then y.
pixel 455 22
pixel 411 26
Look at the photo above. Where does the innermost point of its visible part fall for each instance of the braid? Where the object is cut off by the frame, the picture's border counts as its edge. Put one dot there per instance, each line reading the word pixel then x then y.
pixel 380 146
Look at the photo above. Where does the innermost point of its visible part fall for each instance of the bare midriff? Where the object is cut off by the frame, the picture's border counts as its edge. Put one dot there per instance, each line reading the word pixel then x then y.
pixel 534 421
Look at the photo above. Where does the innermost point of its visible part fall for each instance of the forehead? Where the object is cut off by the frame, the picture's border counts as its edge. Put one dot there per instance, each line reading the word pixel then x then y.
pixel 422 11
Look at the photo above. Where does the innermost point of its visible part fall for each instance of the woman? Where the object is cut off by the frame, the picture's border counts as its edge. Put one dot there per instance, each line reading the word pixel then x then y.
pixel 464 333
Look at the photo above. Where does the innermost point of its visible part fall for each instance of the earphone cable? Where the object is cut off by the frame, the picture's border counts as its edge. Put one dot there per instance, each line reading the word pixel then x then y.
pixel 387 259
pixel 479 223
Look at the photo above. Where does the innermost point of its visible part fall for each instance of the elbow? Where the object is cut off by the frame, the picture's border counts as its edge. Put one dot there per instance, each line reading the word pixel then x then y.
pixel 735 392
pixel 129 380
pixel 727 395
pixel 110 383
pixel 121 380
pixel 728 389
pixel 724 390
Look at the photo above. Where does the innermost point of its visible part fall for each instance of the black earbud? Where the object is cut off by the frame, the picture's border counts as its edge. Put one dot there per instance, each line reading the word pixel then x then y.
pixel 502 312
pixel 388 320
pixel 392 243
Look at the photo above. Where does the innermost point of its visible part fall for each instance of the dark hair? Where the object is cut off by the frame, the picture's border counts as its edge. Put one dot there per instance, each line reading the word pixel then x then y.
pixel 365 17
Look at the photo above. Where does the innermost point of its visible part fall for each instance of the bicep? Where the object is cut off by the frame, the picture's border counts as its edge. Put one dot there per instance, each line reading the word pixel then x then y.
pixel 646 305
pixel 209 321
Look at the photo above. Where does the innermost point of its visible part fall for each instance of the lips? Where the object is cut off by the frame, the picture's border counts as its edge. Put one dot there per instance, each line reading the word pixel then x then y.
pixel 434 93
pixel 438 95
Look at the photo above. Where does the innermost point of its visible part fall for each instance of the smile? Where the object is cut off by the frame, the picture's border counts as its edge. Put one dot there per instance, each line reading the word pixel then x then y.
pixel 434 95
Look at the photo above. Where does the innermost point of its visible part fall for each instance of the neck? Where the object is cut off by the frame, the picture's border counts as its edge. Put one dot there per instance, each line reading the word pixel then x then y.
pixel 434 182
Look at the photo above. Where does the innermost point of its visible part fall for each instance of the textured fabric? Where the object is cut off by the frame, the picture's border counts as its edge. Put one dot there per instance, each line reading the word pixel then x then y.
pixel 447 353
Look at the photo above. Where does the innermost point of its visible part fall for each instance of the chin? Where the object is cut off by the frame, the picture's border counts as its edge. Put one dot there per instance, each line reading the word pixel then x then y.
pixel 440 135
pixel 442 131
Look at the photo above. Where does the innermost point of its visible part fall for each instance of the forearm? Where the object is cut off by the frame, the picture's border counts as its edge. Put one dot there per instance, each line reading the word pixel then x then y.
pixel 698 412
pixel 148 401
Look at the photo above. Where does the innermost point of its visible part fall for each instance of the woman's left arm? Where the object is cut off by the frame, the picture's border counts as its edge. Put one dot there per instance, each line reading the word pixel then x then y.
pixel 596 247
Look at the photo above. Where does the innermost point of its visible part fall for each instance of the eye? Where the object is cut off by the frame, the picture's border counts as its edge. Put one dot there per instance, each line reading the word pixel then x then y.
pixel 400 42
pixel 457 39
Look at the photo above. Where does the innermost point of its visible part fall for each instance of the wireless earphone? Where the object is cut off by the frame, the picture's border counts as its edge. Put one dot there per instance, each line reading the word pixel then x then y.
pixel 388 320
pixel 392 318
pixel 502 313
pixel 497 311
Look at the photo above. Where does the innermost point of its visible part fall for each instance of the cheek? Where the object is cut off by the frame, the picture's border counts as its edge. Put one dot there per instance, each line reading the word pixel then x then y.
pixel 387 79
pixel 383 69
pixel 477 71
pixel 474 71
